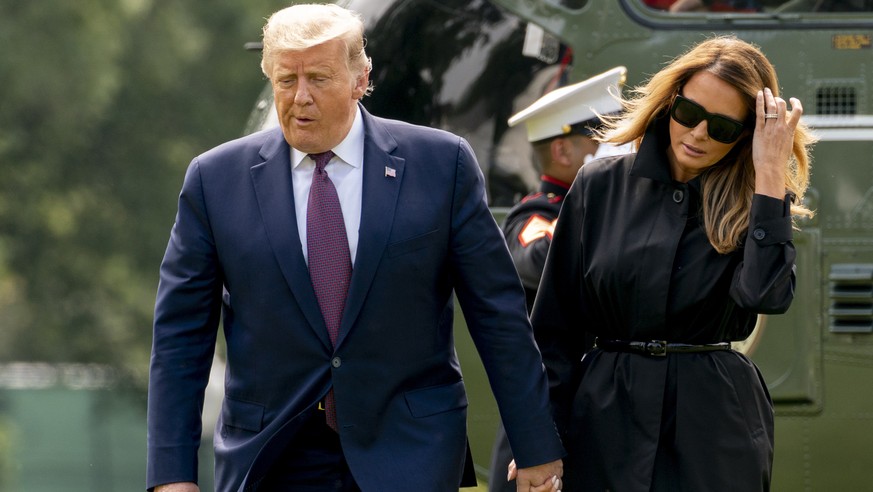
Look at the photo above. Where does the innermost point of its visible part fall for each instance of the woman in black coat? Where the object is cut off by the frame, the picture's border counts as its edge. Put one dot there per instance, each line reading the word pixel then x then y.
pixel 667 256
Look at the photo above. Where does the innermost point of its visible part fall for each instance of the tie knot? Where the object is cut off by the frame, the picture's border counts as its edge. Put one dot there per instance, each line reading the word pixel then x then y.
pixel 321 159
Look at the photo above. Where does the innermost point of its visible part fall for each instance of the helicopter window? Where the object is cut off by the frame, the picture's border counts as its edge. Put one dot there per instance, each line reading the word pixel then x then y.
pixel 569 4
pixel 757 6
pixel 679 6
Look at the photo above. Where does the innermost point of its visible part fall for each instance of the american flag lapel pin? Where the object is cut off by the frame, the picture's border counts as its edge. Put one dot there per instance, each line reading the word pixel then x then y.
pixel 390 172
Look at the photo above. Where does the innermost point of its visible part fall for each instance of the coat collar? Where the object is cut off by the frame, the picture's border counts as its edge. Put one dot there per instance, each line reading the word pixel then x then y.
pixel 271 180
pixel 651 160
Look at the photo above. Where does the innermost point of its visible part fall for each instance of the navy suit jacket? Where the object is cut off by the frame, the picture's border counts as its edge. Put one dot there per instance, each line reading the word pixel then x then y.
pixel 234 254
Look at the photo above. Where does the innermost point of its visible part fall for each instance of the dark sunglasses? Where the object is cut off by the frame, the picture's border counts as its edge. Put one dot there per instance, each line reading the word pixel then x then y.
pixel 720 128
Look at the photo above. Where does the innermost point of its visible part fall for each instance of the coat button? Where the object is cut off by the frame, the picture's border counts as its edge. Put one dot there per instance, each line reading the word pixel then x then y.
pixel 678 196
pixel 336 362
pixel 759 234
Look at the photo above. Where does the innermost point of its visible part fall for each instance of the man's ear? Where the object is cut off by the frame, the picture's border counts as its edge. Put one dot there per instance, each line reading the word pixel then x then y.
pixel 361 84
pixel 559 151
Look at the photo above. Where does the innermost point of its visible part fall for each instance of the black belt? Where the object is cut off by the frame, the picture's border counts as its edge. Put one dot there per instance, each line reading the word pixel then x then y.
pixel 657 347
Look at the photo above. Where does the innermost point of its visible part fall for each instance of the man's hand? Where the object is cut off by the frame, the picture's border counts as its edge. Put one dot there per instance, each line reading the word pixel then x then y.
pixel 540 478
pixel 178 487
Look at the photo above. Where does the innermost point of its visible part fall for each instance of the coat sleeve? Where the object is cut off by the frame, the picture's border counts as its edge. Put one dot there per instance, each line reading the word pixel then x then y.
pixel 493 304
pixel 185 328
pixel 764 281
pixel 558 314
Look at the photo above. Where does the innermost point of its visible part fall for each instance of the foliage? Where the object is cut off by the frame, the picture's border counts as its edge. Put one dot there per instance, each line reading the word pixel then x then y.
pixel 103 104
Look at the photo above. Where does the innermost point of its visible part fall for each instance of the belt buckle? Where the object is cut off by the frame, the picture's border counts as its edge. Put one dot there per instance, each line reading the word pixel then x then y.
pixel 657 348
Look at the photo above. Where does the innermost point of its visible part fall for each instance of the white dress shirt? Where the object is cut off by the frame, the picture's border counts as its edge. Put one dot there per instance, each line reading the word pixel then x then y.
pixel 346 170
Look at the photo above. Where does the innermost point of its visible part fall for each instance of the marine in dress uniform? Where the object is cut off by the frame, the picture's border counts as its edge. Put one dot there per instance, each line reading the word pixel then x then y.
pixel 559 126
pixel 528 229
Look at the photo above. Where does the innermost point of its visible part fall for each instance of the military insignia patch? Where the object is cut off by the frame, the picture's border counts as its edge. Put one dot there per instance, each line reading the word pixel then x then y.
pixel 537 227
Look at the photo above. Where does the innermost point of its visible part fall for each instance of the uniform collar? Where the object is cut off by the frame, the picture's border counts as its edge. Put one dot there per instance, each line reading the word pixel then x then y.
pixel 548 184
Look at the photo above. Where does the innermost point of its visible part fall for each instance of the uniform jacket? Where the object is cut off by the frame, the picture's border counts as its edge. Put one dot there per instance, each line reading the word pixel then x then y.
pixel 426 232
pixel 528 228
pixel 630 260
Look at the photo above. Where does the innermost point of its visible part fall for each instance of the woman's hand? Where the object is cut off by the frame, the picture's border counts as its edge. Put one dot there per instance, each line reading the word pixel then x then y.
pixel 550 482
pixel 773 141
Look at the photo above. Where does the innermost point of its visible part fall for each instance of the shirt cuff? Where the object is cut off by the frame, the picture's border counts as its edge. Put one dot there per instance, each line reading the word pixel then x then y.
pixel 770 222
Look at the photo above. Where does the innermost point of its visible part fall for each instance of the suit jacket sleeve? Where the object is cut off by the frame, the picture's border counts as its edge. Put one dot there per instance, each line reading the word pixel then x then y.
pixel 185 328
pixel 493 303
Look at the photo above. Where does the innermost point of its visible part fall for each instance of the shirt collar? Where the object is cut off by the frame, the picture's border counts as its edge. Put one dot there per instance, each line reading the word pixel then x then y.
pixel 350 150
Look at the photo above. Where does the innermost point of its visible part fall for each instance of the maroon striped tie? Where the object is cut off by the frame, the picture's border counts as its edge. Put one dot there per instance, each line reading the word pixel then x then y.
pixel 330 264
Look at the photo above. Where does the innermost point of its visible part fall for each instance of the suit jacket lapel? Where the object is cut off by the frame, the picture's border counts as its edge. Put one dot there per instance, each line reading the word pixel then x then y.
pixel 379 202
pixel 272 183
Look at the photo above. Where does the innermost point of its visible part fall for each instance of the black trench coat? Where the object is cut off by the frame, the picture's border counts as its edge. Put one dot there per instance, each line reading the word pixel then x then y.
pixel 630 260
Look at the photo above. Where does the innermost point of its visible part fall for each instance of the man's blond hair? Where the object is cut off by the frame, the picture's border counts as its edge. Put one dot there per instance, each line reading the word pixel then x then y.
pixel 306 25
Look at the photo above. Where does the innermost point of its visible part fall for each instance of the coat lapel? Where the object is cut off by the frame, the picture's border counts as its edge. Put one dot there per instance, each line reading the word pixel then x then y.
pixel 272 183
pixel 379 203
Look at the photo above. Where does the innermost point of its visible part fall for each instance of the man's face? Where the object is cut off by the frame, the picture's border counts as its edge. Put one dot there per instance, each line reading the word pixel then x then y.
pixel 316 95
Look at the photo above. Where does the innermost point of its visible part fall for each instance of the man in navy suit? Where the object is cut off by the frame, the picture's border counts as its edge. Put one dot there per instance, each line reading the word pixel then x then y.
pixel 369 399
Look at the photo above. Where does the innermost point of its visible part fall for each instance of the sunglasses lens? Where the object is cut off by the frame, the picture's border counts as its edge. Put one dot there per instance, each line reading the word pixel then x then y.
pixel 723 129
pixel 686 113
pixel 720 128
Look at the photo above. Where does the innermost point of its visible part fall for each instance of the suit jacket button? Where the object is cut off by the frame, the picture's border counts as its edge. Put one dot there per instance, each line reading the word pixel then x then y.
pixel 336 362
pixel 759 234
pixel 678 195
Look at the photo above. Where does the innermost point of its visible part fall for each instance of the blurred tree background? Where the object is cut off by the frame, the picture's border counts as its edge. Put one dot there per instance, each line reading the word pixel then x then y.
pixel 103 103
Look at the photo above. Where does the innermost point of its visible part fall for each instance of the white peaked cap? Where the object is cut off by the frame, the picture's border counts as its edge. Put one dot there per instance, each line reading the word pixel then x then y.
pixel 555 113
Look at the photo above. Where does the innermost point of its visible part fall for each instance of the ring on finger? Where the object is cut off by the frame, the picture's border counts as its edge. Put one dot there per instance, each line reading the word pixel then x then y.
pixel 771 116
